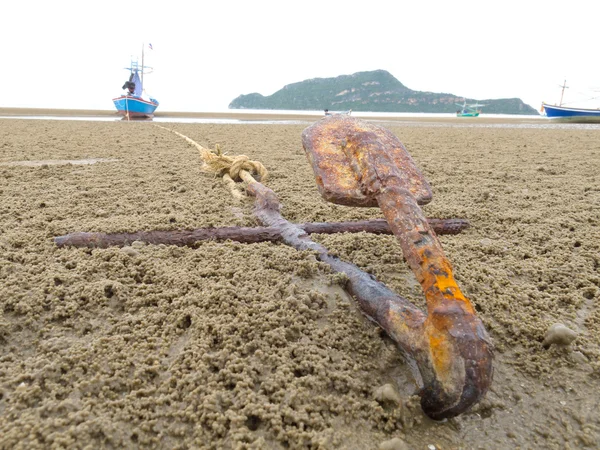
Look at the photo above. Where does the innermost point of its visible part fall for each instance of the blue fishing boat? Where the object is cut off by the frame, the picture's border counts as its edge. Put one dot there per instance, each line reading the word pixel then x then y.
pixel 565 114
pixel 132 104
pixel 562 113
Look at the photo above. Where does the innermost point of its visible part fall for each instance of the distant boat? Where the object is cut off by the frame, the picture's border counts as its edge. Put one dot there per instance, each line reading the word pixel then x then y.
pixel 345 113
pixel 132 105
pixel 570 114
pixel 469 110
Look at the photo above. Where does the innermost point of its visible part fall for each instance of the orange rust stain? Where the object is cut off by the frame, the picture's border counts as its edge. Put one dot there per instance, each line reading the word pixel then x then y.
pixel 444 283
pixel 440 347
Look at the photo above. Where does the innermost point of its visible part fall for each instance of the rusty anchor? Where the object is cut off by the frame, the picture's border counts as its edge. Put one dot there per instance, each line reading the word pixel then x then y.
pixel 357 163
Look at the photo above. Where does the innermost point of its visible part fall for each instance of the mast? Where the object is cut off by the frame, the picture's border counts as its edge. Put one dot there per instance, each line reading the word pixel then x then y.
pixel 143 45
pixel 564 86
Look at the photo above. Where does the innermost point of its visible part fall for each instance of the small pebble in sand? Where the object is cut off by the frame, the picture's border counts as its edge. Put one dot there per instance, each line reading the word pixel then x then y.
pixel 485 242
pixel 387 394
pixel 393 444
pixel 559 334
pixel 130 251
pixel 138 244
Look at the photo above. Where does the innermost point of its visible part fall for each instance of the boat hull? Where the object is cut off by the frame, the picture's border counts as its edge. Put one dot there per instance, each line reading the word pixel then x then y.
pixel 135 107
pixel 577 115
pixel 476 114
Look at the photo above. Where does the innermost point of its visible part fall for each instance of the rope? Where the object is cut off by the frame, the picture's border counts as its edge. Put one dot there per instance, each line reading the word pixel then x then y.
pixel 233 187
pixel 231 168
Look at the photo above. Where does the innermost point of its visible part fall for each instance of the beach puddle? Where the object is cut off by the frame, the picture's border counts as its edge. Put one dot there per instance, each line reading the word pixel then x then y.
pixel 58 162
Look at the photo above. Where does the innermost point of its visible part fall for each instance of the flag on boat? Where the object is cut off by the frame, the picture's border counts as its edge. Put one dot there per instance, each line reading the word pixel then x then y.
pixel 150 46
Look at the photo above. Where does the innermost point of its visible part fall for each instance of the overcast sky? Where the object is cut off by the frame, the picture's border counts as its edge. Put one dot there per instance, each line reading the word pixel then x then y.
pixel 62 54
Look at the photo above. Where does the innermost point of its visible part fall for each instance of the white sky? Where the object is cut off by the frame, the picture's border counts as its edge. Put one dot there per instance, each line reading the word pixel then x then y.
pixel 63 54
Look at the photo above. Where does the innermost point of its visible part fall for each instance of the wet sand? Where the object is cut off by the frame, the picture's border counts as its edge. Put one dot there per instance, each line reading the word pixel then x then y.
pixel 231 345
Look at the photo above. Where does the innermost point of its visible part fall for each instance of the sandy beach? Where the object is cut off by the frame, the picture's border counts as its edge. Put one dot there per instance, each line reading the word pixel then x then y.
pixel 258 346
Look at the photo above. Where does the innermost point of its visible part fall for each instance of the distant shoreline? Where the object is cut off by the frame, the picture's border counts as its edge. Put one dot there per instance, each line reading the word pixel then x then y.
pixel 254 116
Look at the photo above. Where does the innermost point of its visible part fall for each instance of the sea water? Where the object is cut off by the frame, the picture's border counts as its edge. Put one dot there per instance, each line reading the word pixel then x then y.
pixel 450 119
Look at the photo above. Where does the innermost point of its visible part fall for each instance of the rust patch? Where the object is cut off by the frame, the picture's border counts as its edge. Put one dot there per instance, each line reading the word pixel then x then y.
pixel 334 143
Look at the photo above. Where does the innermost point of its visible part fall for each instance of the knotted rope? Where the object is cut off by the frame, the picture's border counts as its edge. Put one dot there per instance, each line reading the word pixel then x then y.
pixel 231 168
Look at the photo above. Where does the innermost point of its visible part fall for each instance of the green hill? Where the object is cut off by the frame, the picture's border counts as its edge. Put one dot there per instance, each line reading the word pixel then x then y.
pixel 376 91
